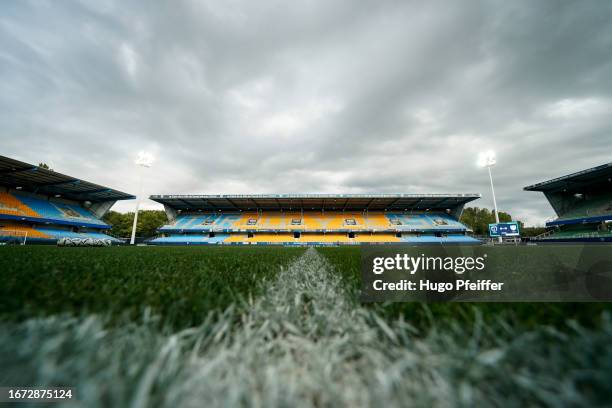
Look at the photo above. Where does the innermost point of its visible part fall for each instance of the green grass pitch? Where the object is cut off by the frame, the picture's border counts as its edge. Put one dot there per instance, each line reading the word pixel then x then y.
pixel 277 327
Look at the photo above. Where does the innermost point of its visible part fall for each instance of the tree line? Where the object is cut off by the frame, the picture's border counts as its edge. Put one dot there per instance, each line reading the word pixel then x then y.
pixel 478 219
pixel 148 223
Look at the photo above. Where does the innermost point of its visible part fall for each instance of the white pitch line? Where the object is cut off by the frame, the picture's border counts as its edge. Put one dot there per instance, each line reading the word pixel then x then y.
pixel 299 342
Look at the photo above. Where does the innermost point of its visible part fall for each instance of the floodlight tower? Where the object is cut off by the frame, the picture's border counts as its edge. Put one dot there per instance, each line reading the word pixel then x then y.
pixel 487 159
pixel 143 160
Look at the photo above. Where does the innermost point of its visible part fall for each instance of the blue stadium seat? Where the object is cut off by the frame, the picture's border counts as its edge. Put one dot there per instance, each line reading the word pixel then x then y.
pixel 59 233
pixel 189 239
pixel 197 222
pixel 432 239
pixel 56 211
pixel 425 222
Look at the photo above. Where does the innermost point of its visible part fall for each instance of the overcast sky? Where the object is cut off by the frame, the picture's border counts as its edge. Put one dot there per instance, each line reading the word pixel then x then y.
pixel 310 96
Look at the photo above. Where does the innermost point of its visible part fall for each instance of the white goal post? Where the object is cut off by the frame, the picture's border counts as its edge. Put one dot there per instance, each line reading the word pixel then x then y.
pixel 17 236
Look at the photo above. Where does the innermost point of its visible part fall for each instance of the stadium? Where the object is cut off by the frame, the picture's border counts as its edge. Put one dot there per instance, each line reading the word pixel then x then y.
pixel 42 206
pixel 305 204
pixel 583 204
pixel 253 300
pixel 314 219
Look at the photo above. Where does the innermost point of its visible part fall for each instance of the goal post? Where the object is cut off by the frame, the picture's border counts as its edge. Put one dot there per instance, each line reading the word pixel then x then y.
pixel 15 236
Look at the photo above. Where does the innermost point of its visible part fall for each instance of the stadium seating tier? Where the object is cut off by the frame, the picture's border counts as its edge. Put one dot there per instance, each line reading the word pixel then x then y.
pixel 21 232
pixel 21 206
pixel 311 238
pixel 314 221
pixel 313 227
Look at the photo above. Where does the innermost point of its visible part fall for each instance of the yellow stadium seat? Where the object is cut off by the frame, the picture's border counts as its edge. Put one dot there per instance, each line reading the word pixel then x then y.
pixel 17 230
pixel 332 237
pixel 376 237
pixel 377 220
pixel 242 222
pixel 10 205
pixel 313 220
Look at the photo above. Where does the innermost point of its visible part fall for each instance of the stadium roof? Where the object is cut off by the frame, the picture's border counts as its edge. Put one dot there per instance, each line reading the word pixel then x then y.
pixel 592 179
pixel 396 202
pixel 28 177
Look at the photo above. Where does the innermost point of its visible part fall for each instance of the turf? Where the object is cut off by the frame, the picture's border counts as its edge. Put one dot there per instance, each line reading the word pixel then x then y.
pixel 347 263
pixel 182 285
pixel 304 341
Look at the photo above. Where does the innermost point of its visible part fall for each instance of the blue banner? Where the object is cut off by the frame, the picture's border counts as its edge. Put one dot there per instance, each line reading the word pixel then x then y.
pixel 504 229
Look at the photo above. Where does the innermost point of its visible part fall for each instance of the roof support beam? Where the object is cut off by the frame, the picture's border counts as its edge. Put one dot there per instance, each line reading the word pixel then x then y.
pixel 233 204
pixel 209 203
pixel 441 202
pixel 186 203
pixel 11 171
pixel 98 190
pixel 58 183
pixel 394 202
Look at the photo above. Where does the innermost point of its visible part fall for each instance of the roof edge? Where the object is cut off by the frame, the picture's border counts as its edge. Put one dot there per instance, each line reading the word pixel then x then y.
pixel 210 196
pixel 68 179
pixel 542 184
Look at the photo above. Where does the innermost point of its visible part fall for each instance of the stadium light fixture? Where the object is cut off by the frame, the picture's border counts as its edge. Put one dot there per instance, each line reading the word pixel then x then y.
pixel 143 160
pixel 488 159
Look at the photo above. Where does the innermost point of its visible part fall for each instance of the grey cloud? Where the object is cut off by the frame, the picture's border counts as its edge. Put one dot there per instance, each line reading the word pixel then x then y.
pixel 243 97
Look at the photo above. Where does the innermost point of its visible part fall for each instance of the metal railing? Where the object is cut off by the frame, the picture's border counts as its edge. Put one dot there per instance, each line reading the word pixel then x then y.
pixel 544 234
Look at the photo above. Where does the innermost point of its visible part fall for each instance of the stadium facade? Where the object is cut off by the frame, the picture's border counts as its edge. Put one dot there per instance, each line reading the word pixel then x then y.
pixel 38 205
pixel 314 219
pixel 583 204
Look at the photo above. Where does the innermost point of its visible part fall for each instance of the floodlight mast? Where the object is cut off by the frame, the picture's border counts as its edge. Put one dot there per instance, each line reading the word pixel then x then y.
pixel 493 192
pixel 144 160
pixel 488 160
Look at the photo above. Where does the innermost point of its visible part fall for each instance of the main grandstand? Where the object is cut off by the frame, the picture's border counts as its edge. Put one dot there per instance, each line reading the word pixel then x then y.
pixel 318 219
pixel 583 204
pixel 38 205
